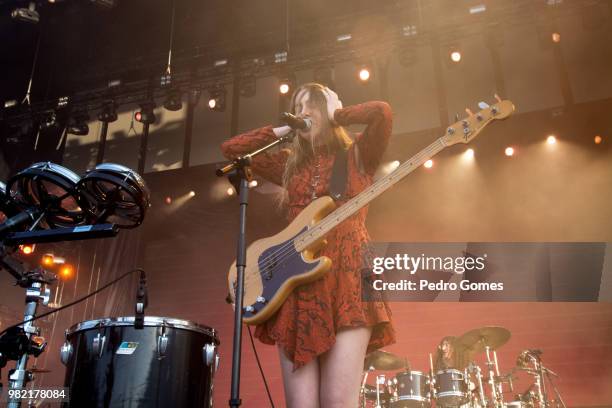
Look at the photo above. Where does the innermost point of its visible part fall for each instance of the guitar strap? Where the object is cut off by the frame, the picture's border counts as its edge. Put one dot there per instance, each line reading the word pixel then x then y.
pixel 339 177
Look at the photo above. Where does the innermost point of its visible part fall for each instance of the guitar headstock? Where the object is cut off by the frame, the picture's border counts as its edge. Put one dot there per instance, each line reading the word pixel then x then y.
pixel 465 130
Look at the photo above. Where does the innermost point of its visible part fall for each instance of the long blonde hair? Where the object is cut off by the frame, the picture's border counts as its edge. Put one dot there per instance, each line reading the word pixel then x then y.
pixel 301 150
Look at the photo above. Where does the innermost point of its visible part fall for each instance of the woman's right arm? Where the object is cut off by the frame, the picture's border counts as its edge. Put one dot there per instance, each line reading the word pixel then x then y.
pixel 268 165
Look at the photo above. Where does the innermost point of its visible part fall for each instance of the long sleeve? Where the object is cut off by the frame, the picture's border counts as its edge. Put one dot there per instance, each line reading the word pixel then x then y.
pixel 372 143
pixel 268 165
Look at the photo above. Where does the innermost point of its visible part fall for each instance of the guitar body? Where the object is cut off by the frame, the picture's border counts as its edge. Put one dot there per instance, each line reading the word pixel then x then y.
pixel 275 267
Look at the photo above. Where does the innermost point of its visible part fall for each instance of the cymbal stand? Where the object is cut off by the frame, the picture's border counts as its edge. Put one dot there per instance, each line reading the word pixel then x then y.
pixel 380 379
pixel 496 397
pixel 550 380
pixel 432 377
pixel 363 383
pixel 481 391
pixel 539 381
pixel 500 384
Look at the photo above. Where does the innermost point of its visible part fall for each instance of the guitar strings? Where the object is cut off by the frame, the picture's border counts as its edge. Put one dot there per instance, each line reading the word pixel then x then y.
pixel 284 252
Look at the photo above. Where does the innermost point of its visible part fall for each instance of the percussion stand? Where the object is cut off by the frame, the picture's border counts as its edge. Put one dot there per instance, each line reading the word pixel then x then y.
pixel 495 394
pixel 540 385
pixel 24 339
pixel 363 383
pixel 239 174
pixel 480 386
pixel 550 380
pixel 379 378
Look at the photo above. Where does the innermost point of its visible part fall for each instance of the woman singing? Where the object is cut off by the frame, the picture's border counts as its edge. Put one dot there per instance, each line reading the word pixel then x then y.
pixel 323 330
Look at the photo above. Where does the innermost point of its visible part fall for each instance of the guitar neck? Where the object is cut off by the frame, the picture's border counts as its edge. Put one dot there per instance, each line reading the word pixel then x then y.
pixel 362 199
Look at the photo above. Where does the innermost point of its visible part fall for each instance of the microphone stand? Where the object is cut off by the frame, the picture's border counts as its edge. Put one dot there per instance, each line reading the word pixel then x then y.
pixel 239 174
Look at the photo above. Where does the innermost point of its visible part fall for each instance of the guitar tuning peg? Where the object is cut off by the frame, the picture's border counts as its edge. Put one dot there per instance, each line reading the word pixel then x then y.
pixel 469 112
pixel 497 98
pixel 483 105
pixel 457 117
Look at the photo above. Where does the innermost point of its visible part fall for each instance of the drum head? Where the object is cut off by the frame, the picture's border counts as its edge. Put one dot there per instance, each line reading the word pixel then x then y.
pixel 151 321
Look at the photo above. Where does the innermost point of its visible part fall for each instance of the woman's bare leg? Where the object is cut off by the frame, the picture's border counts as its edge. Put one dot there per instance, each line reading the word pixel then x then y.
pixel 302 385
pixel 342 368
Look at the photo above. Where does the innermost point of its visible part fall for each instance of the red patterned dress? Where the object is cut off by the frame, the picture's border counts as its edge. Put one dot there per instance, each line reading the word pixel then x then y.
pixel 306 324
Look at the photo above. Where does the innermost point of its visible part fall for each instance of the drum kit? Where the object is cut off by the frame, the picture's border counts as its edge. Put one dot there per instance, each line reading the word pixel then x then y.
pixel 464 387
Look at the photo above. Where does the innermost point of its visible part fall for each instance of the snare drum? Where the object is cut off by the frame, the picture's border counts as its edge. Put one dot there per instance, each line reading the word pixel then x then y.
pixel 451 388
pixel 410 390
pixel 168 363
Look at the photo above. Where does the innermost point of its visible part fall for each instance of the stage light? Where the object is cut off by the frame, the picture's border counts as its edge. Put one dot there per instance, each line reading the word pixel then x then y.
pixel 145 114
pixel 63 101
pixel 220 63
pixel 47 260
pixel 253 183
pixel 168 200
pixel 478 9
pixel 77 125
pixel 248 86
pixel 48 120
pixel 455 56
pixel 192 193
pixel 109 112
pixel 28 15
pixel 364 74
pixel 598 139
pixel 409 30
pixel 114 83
pixel 230 191
pixel 216 100
pixel 280 57
pixel 469 154
pixel 556 37
pixel 27 249
pixel 173 100
pixel 551 139
pixel 10 103
pixel 428 164
pixel 66 272
pixel 343 37
pixel 509 151
pixel 283 88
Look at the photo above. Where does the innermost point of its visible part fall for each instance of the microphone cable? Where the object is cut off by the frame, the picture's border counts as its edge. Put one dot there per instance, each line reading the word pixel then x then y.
pixel 73 302
pixel 263 376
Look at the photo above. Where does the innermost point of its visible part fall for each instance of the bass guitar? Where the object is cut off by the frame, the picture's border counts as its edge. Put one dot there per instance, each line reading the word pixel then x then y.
pixel 277 264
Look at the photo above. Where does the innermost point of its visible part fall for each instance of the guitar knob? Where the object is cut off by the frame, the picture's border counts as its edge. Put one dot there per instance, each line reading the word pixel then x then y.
pixel 261 299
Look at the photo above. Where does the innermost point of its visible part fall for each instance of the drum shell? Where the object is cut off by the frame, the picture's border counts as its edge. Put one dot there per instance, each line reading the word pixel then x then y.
pixel 451 388
pixel 410 389
pixel 151 376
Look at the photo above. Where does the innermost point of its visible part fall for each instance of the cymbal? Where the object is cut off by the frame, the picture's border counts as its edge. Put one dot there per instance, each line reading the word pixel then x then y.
pixel 383 360
pixel 477 340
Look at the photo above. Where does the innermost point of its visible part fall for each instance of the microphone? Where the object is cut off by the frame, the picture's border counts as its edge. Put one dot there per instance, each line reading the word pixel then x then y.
pixel 141 301
pixel 294 122
pixel 21 218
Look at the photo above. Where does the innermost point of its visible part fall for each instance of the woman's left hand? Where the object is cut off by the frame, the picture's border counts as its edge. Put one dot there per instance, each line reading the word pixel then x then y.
pixel 333 103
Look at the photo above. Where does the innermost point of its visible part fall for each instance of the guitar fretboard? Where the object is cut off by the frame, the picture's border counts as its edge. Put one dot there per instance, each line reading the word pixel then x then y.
pixel 310 236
